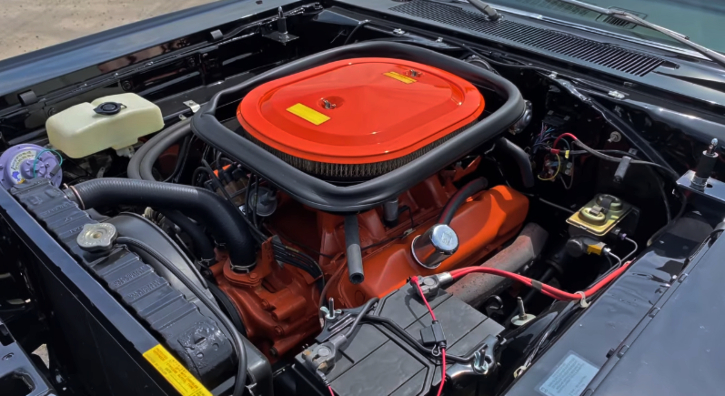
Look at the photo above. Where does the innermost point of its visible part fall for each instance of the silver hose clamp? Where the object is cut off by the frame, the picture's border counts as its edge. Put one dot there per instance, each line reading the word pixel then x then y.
pixel 78 196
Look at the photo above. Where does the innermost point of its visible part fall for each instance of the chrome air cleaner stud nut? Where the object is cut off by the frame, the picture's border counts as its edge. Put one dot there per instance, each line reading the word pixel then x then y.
pixel 97 237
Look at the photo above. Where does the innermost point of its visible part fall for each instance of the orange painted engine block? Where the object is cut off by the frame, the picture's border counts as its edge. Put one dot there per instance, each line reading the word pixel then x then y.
pixel 279 303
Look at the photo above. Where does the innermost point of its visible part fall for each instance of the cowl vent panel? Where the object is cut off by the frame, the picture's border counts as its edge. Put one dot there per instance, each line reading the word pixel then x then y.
pixel 609 56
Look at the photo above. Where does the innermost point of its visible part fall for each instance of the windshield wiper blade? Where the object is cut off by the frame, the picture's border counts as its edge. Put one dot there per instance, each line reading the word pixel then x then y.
pixel 629 17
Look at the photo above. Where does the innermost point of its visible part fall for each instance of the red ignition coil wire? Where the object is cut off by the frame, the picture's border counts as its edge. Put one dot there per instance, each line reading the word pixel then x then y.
pixel 561 136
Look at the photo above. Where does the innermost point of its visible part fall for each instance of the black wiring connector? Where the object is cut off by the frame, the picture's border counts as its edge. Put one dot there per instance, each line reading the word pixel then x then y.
pixel 433 336
pixel 424 288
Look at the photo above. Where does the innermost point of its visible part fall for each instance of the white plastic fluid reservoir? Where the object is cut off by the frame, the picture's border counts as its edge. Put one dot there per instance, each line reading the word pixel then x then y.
pixel 115 121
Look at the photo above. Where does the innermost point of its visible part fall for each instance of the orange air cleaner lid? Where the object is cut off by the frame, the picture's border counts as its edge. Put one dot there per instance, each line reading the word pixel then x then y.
pixel 359 111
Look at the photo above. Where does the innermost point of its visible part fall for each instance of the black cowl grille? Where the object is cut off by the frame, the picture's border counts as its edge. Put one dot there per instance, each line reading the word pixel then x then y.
pixel 616 58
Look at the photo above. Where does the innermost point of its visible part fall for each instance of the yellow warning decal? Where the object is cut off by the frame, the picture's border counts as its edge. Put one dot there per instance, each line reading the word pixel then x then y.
pixel 400 77
pixel 174 372
pixel 308 114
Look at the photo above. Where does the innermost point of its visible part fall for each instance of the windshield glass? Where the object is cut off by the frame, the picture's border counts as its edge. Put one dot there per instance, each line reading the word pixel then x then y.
pixel 702 21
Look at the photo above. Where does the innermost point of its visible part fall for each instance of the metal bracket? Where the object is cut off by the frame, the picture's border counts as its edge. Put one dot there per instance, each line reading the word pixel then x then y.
pixel 616 94
pixel 192 105
pixel 281 35
pixel 709 198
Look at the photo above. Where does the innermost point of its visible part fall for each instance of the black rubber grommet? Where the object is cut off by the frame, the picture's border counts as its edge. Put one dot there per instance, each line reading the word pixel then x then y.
pixel 109 108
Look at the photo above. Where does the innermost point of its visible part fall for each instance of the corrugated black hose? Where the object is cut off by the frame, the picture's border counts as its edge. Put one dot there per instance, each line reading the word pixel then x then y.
pixel 200 204
pixel 141 167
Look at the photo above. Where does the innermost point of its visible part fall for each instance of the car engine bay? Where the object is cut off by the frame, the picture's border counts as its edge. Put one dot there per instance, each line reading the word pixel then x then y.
pixel 350 214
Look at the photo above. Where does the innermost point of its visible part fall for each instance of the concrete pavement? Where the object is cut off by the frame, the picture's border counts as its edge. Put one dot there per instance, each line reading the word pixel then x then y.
pixel 28 25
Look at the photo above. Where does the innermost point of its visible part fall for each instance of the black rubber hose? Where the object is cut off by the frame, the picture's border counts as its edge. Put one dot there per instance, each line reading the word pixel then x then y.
pixel 359 317
pixel 198 203
pixel 158 147
pixel 181 157
pixel 241 378
pixel 140 169
pixel 134 165
pixel 353 251
pixel 204 246
pixel 516 153
pixel 459 198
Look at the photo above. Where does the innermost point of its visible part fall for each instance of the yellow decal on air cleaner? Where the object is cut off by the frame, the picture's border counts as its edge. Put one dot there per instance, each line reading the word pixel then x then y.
pixel 308 114
pixel 400 77
pixel 174 372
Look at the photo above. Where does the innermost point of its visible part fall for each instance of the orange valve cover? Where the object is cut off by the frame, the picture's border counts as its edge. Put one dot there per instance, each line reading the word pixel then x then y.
pixel 359 111
pixel 483 224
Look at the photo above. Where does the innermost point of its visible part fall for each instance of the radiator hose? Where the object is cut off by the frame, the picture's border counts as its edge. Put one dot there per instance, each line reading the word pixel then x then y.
pixel 141 167
pixel 199 204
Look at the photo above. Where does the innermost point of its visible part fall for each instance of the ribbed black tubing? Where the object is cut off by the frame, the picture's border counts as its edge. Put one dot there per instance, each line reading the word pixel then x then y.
pixel 197 203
